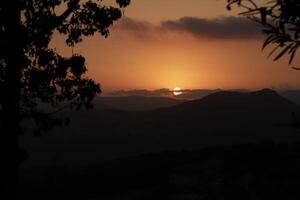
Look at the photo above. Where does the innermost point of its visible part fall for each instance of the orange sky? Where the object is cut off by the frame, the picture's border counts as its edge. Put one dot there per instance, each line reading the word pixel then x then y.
pixel 151 55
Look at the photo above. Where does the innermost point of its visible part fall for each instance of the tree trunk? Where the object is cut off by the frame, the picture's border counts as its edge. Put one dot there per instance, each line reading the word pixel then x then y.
pixel 10 103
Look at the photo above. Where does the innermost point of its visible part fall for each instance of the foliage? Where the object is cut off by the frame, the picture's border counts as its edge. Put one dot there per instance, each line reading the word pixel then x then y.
pixel 46 76
pixel 281 22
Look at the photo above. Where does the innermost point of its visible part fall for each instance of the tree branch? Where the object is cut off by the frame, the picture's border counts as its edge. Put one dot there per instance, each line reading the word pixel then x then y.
pixel 71 8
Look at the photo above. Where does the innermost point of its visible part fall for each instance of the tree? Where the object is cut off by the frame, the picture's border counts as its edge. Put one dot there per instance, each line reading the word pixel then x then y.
pixel 31 72
pixel 281 24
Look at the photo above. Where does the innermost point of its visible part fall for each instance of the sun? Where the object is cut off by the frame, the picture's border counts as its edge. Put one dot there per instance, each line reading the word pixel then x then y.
pixel 177 91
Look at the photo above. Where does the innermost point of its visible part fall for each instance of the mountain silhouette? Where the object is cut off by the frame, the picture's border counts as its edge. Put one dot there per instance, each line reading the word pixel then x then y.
pixel 293 95
pixel 264 106
pixel 231 99
pixel 135 103
pixel 196 93
pixel 218 119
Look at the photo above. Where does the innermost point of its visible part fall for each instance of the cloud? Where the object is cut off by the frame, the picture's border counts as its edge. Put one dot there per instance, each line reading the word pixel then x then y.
pixel 140 29
pixel 223 28
pixel 218 28
pixel 164 92
pixel 147 93
pixel 130 24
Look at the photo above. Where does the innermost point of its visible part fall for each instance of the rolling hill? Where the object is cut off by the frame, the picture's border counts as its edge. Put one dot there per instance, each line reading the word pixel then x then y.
pixel 217 119
pixel 264 106
pixel 135 103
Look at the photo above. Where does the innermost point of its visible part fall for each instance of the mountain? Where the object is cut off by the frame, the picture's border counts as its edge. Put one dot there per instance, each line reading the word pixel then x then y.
pixel 265 103
pixel 135 103
pixel 217 119
pixel 231 110
pixel 164 92
pixel 292 95
pixel 197 93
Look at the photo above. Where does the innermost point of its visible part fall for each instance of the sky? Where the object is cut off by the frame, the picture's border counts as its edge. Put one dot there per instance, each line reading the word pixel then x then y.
pixel 191 44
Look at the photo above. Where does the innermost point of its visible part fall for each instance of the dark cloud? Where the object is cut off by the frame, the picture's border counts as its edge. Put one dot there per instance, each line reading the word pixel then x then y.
pixel 218 28
pixel 146 93
pixel 134 25
pixel 186 93
pixel 139 29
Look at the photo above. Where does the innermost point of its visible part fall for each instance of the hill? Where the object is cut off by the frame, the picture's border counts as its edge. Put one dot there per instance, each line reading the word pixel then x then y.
pixel 135 103
pixel 241 171
pixel 222 118
pixel 264 106
pixel 292 95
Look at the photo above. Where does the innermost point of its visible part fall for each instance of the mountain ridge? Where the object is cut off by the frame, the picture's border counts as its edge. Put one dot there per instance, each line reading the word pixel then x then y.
pixel 189 125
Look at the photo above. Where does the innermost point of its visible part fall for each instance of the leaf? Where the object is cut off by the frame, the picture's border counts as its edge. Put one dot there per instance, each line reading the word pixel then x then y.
pixel 293 53
pixel 296 68
pixel 283 52
pixel 271 53
pixel 268 41
pixel 292 57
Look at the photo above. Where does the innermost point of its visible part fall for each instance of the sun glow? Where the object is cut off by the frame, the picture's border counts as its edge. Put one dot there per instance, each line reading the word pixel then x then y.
pixel 177 91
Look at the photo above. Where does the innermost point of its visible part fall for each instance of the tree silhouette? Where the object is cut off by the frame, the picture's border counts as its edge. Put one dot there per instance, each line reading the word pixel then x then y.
pixel 281 23
pixel 32 73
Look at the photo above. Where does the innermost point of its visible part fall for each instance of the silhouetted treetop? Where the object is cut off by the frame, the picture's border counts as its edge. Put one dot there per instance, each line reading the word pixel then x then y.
pixel 32 73
pixel 43 75
pixel 280 20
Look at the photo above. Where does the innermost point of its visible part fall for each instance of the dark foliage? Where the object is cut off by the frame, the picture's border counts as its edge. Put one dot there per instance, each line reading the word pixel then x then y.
pixel 281 23
pixel 46 77
pixel 265 170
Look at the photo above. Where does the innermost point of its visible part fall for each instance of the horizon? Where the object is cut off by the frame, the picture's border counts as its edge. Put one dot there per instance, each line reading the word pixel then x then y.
pixel 115 92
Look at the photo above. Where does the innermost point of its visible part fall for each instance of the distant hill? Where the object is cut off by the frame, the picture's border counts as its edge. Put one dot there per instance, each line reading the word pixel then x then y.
pixel 260 108
pixel 135 103
pixel 164 92
pixel 197 93
pixel 161 152
pixel 292 95
pixel 230 101
pixel 217 119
